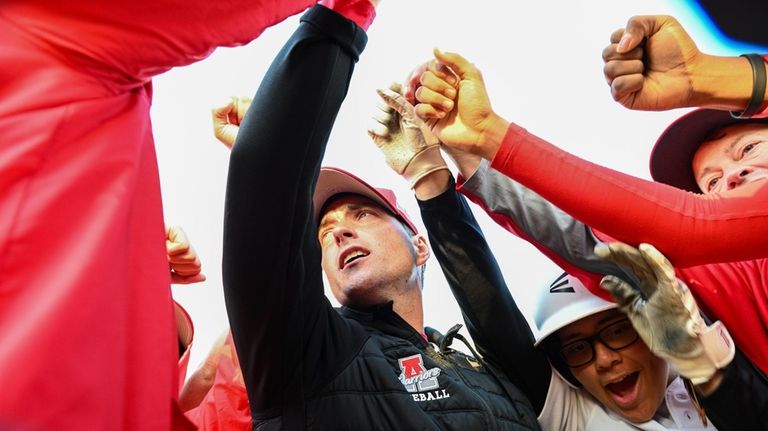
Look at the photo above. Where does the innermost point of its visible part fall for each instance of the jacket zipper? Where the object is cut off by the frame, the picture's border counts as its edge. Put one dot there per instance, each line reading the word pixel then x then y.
pixel 491 423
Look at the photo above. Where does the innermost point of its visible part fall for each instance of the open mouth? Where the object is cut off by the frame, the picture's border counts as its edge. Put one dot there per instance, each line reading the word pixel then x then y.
pixel 352 257
pixel 624 391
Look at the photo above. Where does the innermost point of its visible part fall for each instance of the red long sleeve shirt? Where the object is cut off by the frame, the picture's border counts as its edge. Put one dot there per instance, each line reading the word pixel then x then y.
pixel 87 339
pixel 694 231
pixel 689 228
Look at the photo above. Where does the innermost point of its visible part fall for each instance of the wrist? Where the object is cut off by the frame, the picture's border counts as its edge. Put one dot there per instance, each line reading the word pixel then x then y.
pixel 467 163
pixel 423 164
pixel 721 83
pixel 491 137
pixel 433 184
pixel 716 352
pixel 361 12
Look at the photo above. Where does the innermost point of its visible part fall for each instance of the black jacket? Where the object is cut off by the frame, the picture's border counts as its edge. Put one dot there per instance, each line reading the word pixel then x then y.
pixel 305 365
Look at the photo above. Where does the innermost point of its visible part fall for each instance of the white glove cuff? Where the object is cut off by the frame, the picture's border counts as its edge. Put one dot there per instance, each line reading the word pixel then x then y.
pixel 717 352
pixel 424 163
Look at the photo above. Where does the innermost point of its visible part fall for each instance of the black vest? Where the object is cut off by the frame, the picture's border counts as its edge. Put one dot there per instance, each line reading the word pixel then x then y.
pixel 398 381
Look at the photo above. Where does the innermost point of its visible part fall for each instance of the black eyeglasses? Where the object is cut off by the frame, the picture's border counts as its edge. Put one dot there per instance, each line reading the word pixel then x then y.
pixel 615 336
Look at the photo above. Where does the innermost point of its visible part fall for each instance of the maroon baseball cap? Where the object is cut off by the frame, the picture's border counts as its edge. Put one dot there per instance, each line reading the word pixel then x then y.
pixel 672 156
pixel 334 181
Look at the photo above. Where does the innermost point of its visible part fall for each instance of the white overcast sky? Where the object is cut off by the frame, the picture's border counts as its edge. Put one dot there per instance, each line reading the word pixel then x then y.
pixel 542 64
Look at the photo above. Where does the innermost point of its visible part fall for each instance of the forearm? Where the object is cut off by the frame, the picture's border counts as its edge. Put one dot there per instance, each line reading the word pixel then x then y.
pixel 688 228
pixel 197 387
pixel 492 137
pixel 721 83
pixel 271 263
pixel 492 317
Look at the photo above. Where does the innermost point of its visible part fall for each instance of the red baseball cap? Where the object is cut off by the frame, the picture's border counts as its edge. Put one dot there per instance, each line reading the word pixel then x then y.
pixel 334 181
pixel 672 156
pixel 184 328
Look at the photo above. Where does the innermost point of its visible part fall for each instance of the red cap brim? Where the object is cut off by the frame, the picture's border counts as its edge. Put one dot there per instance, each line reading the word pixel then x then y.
pixel 184 327
pixel 334 181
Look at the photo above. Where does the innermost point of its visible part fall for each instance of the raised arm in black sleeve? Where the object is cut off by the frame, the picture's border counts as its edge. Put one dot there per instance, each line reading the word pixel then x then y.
pixel 497 326
pixel 285 330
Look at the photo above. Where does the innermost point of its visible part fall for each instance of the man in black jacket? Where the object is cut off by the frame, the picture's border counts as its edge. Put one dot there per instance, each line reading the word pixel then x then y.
pixel 305 364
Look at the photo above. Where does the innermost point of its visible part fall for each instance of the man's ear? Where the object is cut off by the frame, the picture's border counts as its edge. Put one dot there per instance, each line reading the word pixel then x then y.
pixel 421 246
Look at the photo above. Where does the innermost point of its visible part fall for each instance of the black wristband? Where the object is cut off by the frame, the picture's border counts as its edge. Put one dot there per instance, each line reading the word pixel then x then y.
pixel 758 87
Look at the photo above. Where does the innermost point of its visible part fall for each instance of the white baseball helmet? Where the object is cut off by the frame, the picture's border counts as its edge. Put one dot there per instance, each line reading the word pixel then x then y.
pixel 564 302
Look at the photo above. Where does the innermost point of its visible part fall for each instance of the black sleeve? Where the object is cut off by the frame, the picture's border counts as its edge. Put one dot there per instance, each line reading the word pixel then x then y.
pixel 497 326
pixel 286 333
pixel 741 401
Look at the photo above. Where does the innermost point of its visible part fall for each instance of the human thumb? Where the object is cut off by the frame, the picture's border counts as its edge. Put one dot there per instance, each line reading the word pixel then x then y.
pixel 637 29
pixel 460 65
pixel 622 292
pixel 395 100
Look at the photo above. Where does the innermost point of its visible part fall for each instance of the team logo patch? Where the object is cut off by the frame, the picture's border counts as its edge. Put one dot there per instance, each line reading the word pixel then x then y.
pixel 561 285
pixel 418 379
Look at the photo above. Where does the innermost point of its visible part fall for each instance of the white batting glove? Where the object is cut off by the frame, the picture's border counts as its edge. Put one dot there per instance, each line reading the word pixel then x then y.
pixel 409 147
pixel 665 314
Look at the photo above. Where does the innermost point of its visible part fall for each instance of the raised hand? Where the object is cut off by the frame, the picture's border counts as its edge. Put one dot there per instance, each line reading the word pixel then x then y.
pixel 184 263
pixel 455 104
pixel 409 147
pixel 651 64
pixel 665 314
pixel 227 119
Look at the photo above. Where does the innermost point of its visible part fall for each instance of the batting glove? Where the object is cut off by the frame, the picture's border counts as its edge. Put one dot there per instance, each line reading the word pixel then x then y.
pixel 665 314
pixel 409 147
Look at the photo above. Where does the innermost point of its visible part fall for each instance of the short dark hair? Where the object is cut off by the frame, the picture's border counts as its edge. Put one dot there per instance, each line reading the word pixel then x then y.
pixel 551 347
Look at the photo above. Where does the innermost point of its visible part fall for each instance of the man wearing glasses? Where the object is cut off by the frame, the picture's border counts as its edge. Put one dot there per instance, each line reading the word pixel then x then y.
pixel 607 377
